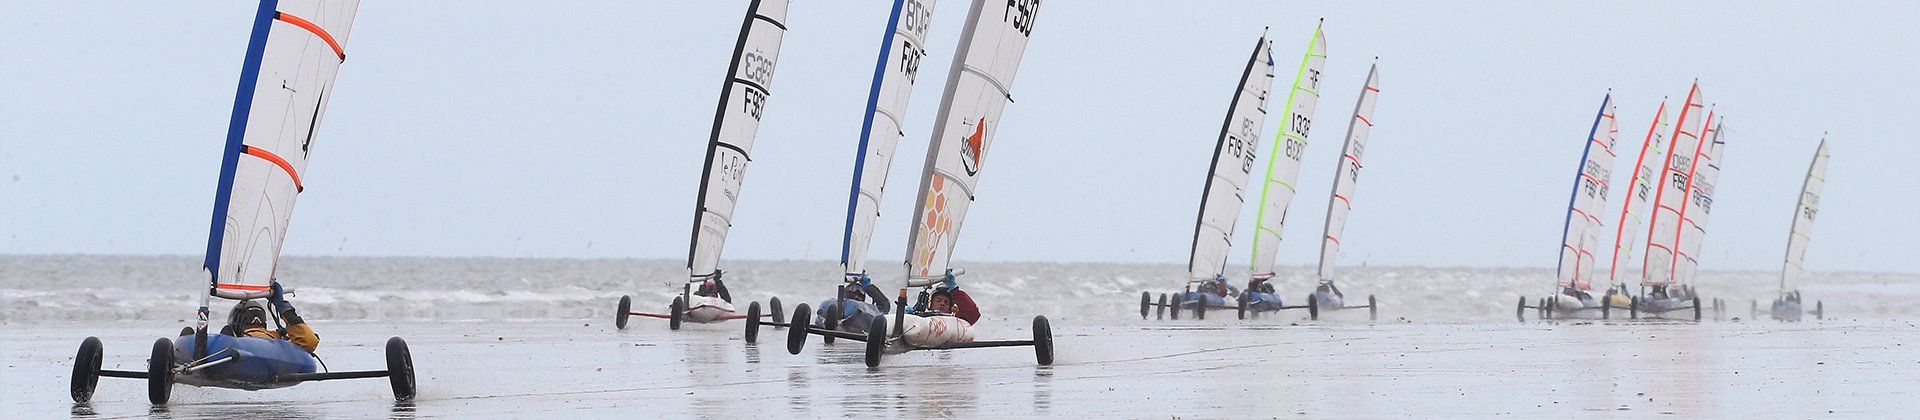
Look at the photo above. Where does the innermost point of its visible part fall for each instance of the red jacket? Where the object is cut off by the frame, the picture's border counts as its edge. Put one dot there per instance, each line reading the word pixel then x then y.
pixel 964 308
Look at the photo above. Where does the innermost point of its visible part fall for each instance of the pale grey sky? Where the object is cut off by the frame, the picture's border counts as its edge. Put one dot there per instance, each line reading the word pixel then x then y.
pixel 576 129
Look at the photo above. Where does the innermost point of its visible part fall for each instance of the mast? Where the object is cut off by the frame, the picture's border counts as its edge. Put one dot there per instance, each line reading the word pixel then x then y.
pixel 1801 234
pixel 736 119
pixel 900 52
pixel 1232 166
pixel 1590 187
pixel 977 92
pixel 1283 164
pixel 1346 174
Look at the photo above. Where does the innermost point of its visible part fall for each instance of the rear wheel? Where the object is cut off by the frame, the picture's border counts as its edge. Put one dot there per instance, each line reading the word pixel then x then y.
pixel 1160 312
pixel 1633 308
pixel 1373 309
pixel 86 370
pixel 876 341
pixel 1696 308
pixel 1819 310
pixel 1546 309
pixel 676 313
pixel 1173 312
pixel 779 318
pixel 1520 310
pixel 400 369
pixel 1243 306
pixel 1200 309
pixel 1606 307
pixel 753 322
pixel 831 321
pixel 797 328
pixel 1313 306
pixel 622 312
pixel 1042 341
pixel 1146 301
pixel 160 372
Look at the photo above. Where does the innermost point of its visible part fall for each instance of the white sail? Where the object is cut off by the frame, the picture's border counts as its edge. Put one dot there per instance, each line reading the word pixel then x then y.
pixel 1803 213
pixel 1591 184
pixel 1283 165
pixel 1670 193
pixel 1693 226
pixel 742 98
pixel 1233 156
pixel 1633 207
pixel 978 90
pixel 899 64
pixel 297 47
pixel 1347 173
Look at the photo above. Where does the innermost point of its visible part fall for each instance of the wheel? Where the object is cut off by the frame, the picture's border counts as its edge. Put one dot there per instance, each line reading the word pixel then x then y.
pixel 1200 309
pixel 1606 307
pixel 622 312
pixel 1243 306
pixel 86 370
pixel 1313 307
pixel 1696 308
pixel 676 313
pixel 779 318
pixel 1373 309
pixel 1819 310
pixel 1042 341
pixel 797 335
pixel 1146 300
pixel 831 321
pixel 753 322
pixel 1520 310
pixel 1546 309
pixel 876 341
pixel 1754 311
pixel 1160 312
pixel 400 369
pixel 1540 308
pixel 1173 312
pixel 1633 308
pixel 160 372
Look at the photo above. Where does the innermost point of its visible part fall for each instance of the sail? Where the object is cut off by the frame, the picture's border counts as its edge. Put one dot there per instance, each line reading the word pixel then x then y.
pixel 1634 205
pixel 1591 183
pixel 978 90
pixel 1693 226
pixel 1803 212
pixel 1283 165
pixel 295 49
pixel 1347 172
pixel 1233 155
pixel 900 52
pixel 742 97
pixel 1670 191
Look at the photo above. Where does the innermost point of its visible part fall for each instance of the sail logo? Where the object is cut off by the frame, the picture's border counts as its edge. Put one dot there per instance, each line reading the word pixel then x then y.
pixel 937 224
pixel 970 147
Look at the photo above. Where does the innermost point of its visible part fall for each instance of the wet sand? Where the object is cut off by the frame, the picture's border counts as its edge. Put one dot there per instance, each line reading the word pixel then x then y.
pixel 1113 368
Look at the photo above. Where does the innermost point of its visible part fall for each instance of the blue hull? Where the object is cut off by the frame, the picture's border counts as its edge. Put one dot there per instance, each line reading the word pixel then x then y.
pixel 855 316
pixel 260 360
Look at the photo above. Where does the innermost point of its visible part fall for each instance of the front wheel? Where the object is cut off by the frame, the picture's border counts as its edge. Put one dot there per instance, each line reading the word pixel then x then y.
pixel 400 369
pixel 753 322
pixel 676 313
pixel 1313 306
pixel 1160 312
pixel 1042 341
pixel 1696 309
pixel 1520 309
pixel 1373 309
pixel 876 341
pixel 832 320
pixel 160 372
pixel 779 318
pixel 1146 303
pixel 1633 308
pixel 622 311
pixel 1243 306
pixel 797 331
pixel 1606 307
pixel 86 370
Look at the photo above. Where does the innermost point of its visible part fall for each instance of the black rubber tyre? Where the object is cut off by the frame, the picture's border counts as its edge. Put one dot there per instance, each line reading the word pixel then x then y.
pixel 160 372
pixel 185 331
pixel 1160 312
pixel 1042 341
pixel 1520 310
pixel 831 321
pixel 1313 307
pixel 1540 308
pixel 1696 308
pixel 753 322
pixel 797 333
pixel 1546 309
pixel 1373 309
pixel 676 313
pixel 1146 302
pixel 1606 307
pixel 1200 309
pixel 86 370
pixel 1243 305
pixel 1819 310
pixel 876 341
pixel 773 306
pixel 400 370
pixel 622 311
pixel 1633 308
pixel 1173 312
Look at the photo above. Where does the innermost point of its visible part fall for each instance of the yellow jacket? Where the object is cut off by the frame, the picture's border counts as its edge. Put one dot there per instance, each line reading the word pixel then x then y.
pixel 297 332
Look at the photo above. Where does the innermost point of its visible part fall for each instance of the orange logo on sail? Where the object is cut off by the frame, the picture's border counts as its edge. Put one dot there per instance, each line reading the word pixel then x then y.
pixel 970 147
pixel 936 222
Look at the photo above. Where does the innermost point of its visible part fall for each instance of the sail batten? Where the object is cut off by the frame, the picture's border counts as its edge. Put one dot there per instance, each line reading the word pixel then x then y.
pixel 736 120
pixel 295 50
pixel 1346 174
pixel 976 94
pixel 1283 163
pixel 1801 233
pixel 1232 166
pixel 901 50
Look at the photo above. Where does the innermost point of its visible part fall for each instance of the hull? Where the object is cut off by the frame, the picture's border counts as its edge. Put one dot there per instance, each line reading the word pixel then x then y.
pixel 854 316
pixel 1787 310
pixel 1187 299
pixel 260 360
pixel 1328 300
pixel 708 309
pixel 1259 301
pixel 931 331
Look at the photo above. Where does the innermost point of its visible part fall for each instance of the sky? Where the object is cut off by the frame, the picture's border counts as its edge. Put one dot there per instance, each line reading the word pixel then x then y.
pixel 577 129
